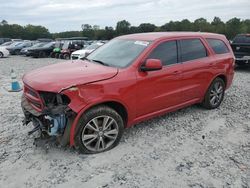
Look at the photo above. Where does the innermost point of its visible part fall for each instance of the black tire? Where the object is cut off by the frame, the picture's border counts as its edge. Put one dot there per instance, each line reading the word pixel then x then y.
pixel 57 55
pixel 1 55
pixel 212 100
pixel 87 118
pixel 52 55
pixel 17 52
pixel 42 54
pixel 66 56
pixel 61 56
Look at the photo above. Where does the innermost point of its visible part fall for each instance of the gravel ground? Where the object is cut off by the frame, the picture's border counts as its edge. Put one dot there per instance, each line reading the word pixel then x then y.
pixel 192 147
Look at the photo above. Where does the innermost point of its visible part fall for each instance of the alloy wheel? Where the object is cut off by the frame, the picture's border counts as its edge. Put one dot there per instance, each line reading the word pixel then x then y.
pixel 100 133
pixel 216 94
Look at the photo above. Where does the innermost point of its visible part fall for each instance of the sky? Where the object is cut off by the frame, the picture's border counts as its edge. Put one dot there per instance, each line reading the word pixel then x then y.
pixel 65 15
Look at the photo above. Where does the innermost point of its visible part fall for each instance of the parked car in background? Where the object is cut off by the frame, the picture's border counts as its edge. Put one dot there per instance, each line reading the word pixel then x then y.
pixel 132 78
pixel 15 50
pixel 3 40
pixel 43 51
pixel 12 44
pixel 85 51
pixel 6 44
pixel 241 49
pixel 70 45
pixel 3 52
pixel 26 51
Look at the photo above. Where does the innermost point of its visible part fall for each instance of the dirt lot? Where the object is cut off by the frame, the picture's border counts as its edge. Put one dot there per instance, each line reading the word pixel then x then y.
pixel 189 148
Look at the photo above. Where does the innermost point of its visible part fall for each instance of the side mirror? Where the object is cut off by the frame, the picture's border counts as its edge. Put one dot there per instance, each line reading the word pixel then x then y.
pixel 152 65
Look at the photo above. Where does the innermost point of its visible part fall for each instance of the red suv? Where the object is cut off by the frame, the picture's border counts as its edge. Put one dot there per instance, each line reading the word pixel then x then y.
pixel 87 103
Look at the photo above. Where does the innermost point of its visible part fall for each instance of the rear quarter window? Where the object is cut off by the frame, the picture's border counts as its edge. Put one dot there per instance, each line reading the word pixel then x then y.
pixel 218 46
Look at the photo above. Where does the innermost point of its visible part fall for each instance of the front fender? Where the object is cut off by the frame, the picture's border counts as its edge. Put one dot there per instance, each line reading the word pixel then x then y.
pixel 84 99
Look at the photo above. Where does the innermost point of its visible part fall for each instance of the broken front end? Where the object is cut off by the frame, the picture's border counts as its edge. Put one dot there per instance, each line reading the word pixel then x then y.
pixel 49 113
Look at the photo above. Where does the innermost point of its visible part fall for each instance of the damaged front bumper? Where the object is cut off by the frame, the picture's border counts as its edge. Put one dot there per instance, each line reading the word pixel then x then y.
pixel 53 121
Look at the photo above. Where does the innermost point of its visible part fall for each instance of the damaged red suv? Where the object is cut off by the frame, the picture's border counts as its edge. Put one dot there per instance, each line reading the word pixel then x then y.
pixel 88 103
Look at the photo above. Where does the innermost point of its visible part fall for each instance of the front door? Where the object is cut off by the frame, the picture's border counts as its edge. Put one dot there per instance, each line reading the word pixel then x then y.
pixel 161 89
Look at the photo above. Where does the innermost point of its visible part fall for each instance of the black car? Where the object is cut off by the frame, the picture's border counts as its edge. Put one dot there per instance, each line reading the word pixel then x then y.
pixel 241 49
pixel 43 51
pixel 15 50
pixel 26 51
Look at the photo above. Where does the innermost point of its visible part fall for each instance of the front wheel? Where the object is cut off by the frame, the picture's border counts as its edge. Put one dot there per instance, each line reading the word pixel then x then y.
pixel 100 129
pixel 1 54
pixel 215 94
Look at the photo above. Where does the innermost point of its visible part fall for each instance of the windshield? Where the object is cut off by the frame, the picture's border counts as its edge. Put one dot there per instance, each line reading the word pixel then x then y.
pixel 15 44
pixel 49 44
pixel 24 44
pixel 40 44
pixel 119 53
pixel 242 39
pixel 6 43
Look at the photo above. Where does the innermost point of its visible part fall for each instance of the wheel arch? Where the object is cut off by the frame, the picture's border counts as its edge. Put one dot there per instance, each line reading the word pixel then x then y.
pixel 119 107
pixel 223 77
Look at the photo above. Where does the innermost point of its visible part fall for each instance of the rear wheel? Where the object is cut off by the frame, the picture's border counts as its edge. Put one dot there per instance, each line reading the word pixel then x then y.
pixel 215 94
pixel 1 54
pixel 17 52
pixel 99 130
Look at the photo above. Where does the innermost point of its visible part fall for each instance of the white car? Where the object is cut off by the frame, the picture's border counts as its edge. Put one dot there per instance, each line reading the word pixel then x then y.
pixel 3 52
pixel 85 51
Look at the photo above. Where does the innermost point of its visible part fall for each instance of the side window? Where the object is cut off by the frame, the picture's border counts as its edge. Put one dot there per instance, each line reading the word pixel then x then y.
pixel 166 52
pixel 218 46
pixel 192 49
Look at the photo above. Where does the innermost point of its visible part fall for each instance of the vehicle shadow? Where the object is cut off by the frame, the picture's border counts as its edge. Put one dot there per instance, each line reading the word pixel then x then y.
pixel 242 69
pixel 170 122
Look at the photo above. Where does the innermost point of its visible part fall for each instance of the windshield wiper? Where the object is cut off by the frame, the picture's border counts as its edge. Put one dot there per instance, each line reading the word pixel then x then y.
pixel 85 58
pixel 100 62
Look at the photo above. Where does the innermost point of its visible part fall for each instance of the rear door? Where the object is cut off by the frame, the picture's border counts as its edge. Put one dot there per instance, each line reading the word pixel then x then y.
pixel 196 68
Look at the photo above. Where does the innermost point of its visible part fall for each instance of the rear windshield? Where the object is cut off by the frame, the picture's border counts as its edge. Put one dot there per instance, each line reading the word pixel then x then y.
pixel 242 39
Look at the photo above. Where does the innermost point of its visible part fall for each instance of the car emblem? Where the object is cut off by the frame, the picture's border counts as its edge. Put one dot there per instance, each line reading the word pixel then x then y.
pixel 237 48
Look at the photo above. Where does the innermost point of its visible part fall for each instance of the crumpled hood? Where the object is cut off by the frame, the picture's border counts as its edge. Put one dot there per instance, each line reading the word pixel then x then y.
pixel 56 77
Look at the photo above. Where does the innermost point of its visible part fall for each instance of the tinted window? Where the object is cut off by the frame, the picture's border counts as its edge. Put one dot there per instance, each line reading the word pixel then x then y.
pixel 192 49
pixel 218 46
pixel 166 52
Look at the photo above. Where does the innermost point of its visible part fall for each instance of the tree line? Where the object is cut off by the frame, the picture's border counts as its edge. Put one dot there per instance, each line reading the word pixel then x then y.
pixel 229 28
